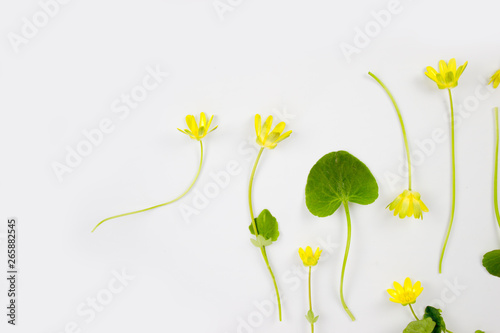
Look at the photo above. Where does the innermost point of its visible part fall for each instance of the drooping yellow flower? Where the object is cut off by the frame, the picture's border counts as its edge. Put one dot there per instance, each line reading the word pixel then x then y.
pixel 407 294
pixel 198 132
pixel 309 258
pixel 407 204
pixel 448 75
pixel 267 138
pixel 495 79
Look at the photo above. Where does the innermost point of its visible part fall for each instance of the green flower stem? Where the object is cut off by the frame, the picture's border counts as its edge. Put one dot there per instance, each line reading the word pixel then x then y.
pixel 452 214
pixel 401 122
pixel 250 186
pixel 163 204
pixel 348 245
pixel 254 225
pixel 413 312
pixel 495 184
pixel 310 299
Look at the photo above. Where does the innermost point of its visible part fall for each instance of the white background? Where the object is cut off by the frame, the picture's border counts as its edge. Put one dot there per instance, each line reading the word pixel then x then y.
pixel 201 274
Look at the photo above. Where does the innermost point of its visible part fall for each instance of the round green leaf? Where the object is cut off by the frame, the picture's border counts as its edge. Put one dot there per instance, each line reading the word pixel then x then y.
pixel 420 326
pixel 435 315
pixel 339 177
pixel 491 261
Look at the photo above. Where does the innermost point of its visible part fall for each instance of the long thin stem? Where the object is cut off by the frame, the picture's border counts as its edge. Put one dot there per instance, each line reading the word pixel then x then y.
pixel 264 254
pixel 310 299
pixel 495 183
pixel 254 225
pixel 452 213
pixel 401 122
pixel 163 204
pixel 348 245
pixel 250 186
pixel 414 315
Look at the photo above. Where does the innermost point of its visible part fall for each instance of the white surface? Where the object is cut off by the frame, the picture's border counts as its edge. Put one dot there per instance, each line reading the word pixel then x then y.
pixel 264 57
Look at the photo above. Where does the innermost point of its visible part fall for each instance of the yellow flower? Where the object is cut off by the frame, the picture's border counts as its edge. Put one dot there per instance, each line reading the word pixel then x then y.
pixel 267 139
pixel 198 132
pixel 408 203
pixel 495 79
pixel 407 294
pixel 448 75
pixel 308 257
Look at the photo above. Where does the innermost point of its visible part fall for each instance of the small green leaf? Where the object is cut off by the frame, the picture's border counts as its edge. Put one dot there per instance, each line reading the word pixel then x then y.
pixel 310 317
pixel 267 226
pixel 435 315
pixel 339 177
pixel 420 326
pixel 491 261
pixel 260 241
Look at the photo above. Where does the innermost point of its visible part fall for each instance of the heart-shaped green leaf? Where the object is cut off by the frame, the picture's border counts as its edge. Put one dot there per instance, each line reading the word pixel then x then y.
pixel 491 261
pixel 435 315
pixel 420 326
pixel 267 226
pixel 339 177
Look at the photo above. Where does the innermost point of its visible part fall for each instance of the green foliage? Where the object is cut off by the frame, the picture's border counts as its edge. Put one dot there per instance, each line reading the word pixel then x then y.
pixel 311 318
pixel 260 241
pixel 267 226
pixel 336 178
pixel 491 261
pixel 435 315
pixel 420 326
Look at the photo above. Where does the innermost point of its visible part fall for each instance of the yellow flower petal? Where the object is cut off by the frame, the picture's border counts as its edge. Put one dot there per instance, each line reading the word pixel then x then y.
pixel 448 74
pixel 442 66
pixel 196 132
pixel 452 65
pixel 407 294
pixel 266 128
pixel 267 138
pixel 257 125
pixel 203 120
pixel 191 122
pixel 283 136
pixel 309 258
pixel 408 204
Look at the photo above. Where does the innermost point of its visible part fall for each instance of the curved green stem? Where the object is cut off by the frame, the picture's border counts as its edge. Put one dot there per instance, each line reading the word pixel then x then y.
pixel 264 254
pixel 310 299
pixel 163 204
pixel 401 122
pixel 452 213
pixel 348 245
pixel 414 315
pixel 254 225
pixel 495 183
pixel 250 186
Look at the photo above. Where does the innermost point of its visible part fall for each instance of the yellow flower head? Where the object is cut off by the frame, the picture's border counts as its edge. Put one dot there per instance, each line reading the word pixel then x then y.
pixel 495 79
pixel 266 138
pixel 448 75
pixel 408 203
pixel 407 294
pixel 198 132
pixel 308 257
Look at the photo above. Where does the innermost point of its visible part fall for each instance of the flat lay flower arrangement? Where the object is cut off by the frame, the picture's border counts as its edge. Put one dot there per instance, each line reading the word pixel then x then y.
pixel 340 179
